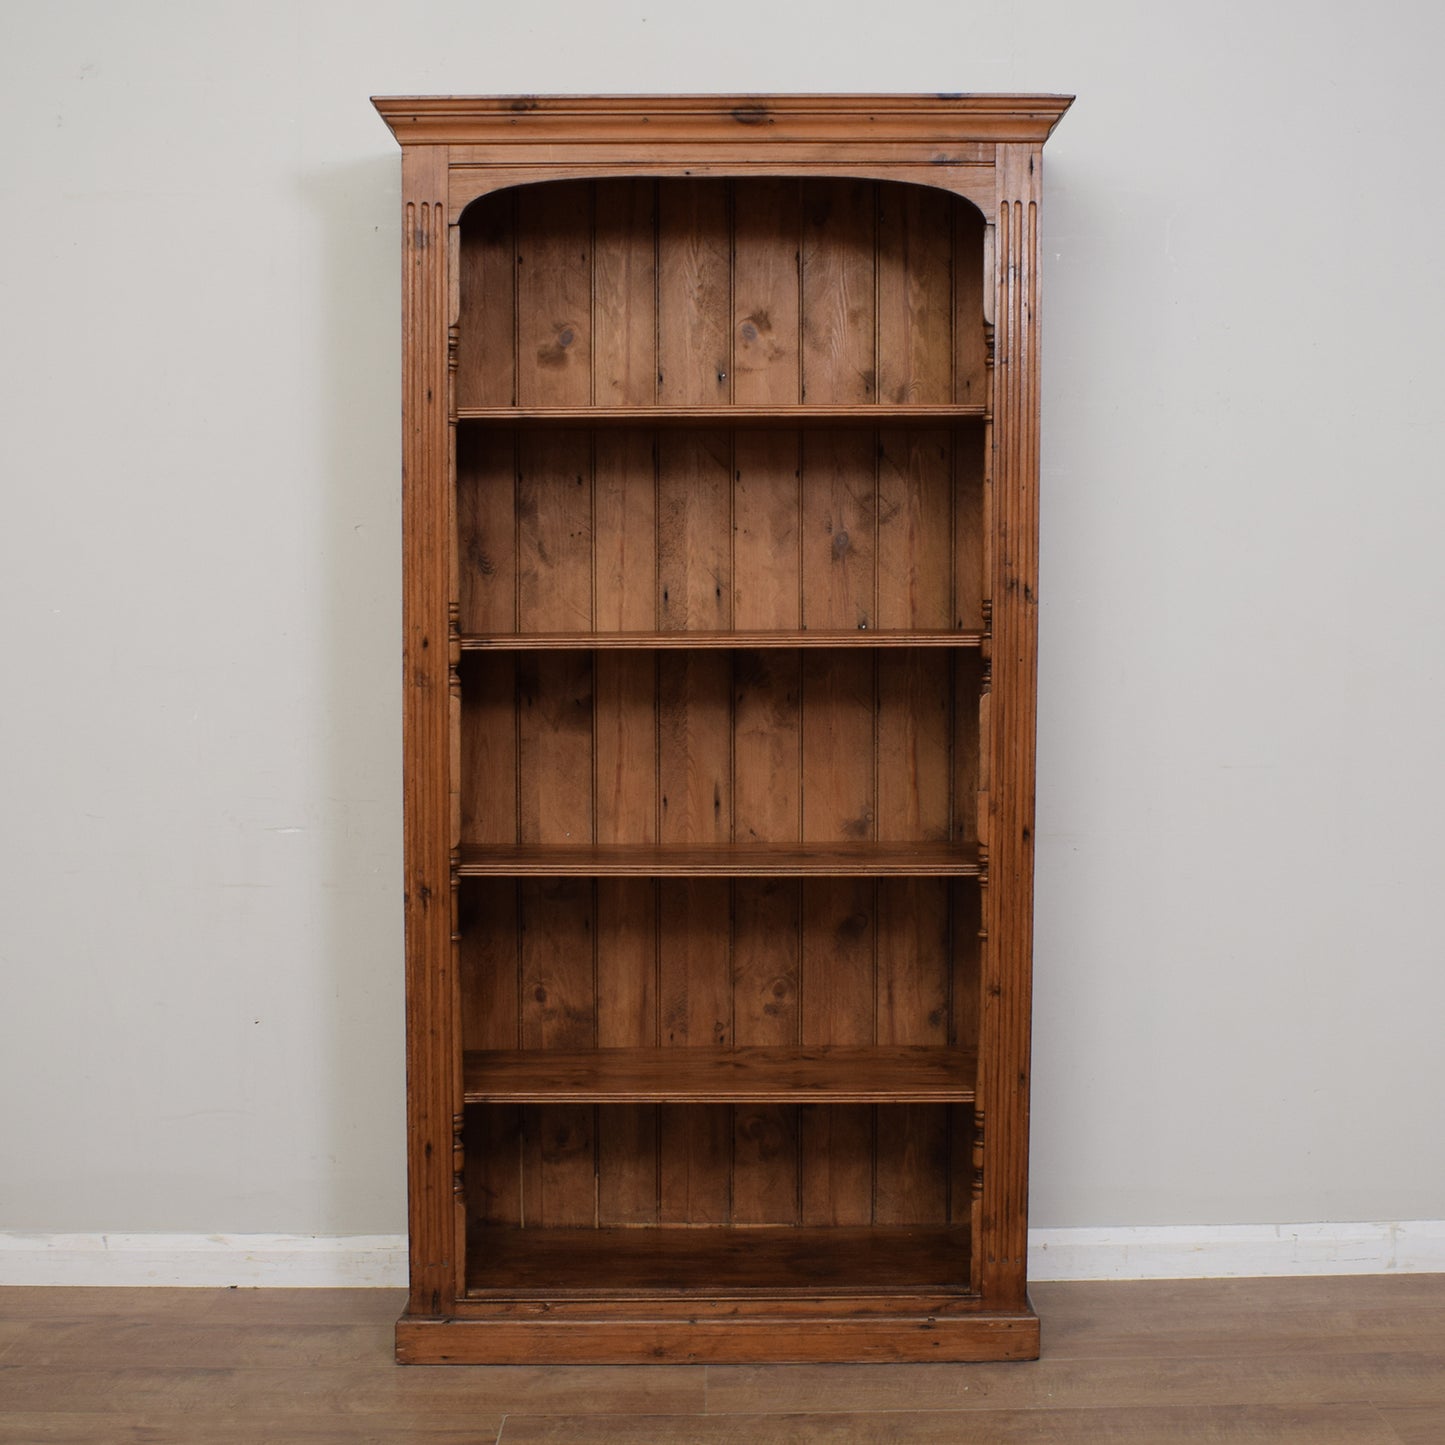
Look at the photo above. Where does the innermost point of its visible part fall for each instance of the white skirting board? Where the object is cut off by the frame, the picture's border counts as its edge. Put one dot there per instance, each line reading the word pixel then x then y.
pixel 286 1261
pixel 1220 1251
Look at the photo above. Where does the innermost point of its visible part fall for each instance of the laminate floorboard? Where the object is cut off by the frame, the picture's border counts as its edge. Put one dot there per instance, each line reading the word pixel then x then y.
pixel 1214 1426
pixel 1319 1361
pixel 1284 1380
pixel 1416 1424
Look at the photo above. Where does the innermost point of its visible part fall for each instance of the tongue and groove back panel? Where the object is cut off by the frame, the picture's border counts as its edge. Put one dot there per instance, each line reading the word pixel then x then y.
pixel 748 293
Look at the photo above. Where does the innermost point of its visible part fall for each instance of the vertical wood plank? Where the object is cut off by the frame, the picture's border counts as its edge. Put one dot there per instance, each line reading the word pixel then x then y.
pixel 694 277
pixel 625 522
pixel 839 318
pixel 627 1013
pixel 970 335
pixel 766 922
pixel 626 793
pixel 695 997
pixel 694 748
pixel 558 1011
pixel 554 527
pixel 839 783
pixel 840 529
pixel 489 994
pixel 965 1003
pixel 490 1011
pixel 965 954
pixel 624 300
pixel 766 318
pixel 554 294
pixel 914 721
pixel 767 742
pixel 626 720
pixel 971 526
pixel 915 521
pixel 694 950
pixel 554 698
pixel 694 543
pixel 766 464
pixel 767 544
pixel 489 748
pixel 915 294
pixel 836 1142
pixel 487 530
pixel 969 784
pixel 913 1008
pixel 486 340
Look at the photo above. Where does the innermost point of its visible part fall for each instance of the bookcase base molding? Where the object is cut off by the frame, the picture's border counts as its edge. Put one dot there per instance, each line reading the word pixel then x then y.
pixel 643 1337
pixel 720 480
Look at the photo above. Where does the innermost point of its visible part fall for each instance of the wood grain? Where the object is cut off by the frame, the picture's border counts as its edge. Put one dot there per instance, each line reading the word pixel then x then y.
pixel 843 415
pixel 486 351
pixel 737 638
pixel 1007 982
pixel 760 123
pixel 1329 1425
pixel 838 292
pixel 723 489
pixel 432 1043
pixel 694 351
pixel 1325 1359
pixel 702 1075
pixel 732 860
pixel 915 295
pixel 554 295
pixel 624 293
pixel 725 1261
pixel 627 1018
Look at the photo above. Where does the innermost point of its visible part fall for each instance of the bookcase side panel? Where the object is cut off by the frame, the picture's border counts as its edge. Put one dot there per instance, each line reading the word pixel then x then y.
pixel 433 1060
pixel 1007 982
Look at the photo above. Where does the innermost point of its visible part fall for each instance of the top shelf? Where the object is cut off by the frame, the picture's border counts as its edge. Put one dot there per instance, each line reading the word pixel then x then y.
pixel 871 415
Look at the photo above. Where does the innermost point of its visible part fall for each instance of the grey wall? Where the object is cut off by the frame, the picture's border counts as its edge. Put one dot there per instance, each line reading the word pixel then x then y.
pixel 1239 964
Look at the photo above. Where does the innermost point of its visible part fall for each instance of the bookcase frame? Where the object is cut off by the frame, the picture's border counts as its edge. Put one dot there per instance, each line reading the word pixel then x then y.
pixel 720 490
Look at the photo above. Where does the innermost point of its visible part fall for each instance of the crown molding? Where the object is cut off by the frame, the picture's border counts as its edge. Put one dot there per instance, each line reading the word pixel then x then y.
pixel 694 119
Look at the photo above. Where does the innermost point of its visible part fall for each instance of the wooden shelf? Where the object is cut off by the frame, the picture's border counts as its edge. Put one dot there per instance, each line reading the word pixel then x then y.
pixel 752 417
pixel 654 641
pixel 836 1075
pixel 719 860
pixel 769 1260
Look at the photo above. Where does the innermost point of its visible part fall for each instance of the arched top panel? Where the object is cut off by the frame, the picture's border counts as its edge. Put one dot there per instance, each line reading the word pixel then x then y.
pixel 723 291
pixel 971 179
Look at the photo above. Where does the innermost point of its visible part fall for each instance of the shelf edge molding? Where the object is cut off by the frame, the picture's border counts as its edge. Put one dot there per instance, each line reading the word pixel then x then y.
pixel 745 641
pixel 873 414
pixel 880 1074
pixel 719 860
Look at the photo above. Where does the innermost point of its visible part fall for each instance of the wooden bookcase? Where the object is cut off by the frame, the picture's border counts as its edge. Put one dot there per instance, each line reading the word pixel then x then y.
pixel 720 498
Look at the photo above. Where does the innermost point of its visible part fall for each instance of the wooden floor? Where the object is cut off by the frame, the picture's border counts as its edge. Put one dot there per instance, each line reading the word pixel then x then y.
pixel 1313 1361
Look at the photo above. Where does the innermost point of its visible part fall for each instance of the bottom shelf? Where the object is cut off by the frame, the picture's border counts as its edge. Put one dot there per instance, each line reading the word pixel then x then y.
pixel 714 1261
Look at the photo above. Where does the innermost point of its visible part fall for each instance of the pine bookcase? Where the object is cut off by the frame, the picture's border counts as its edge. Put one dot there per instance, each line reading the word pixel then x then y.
pixel 720 519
